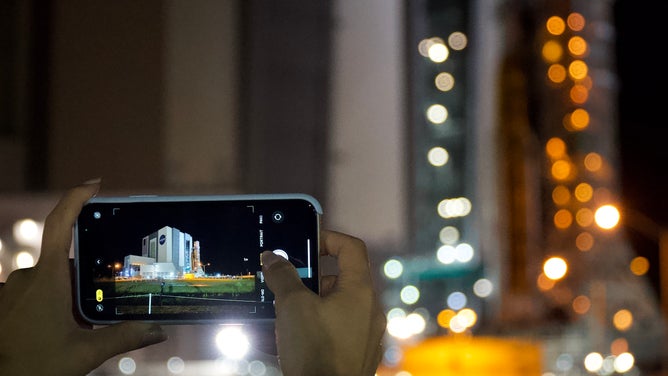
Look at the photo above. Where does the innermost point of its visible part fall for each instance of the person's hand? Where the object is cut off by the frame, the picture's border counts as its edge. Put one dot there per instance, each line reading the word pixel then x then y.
pixel 39 333
pixel 338 333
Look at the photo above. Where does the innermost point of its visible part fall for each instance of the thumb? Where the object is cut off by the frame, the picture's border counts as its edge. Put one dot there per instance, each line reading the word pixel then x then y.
pixel 281 276
pixel 123 337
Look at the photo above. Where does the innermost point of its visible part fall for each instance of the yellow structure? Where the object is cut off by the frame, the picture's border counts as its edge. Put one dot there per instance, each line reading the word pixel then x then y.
pixel 472 356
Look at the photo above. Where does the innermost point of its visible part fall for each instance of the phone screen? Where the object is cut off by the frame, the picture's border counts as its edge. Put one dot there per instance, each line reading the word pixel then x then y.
pixel 190 259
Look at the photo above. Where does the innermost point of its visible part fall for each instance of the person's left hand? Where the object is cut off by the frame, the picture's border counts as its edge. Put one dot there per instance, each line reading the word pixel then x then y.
pixel 39 332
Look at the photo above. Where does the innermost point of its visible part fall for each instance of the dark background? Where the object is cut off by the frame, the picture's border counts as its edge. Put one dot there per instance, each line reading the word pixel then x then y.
pixel 640 35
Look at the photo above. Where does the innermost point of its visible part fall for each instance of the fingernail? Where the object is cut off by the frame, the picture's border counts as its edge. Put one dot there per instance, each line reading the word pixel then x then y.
pixel 267 258
pixel 92 181
pixel 153 335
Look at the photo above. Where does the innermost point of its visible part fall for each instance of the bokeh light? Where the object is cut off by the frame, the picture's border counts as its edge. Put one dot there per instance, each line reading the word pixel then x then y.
pixel 444 81
pixel 232 342
pixel 438 156
pixel 438 52
pixel 639 265
pixel 437 114
pixel 584 241
pixel 24 259
pixel 393 268
pixel 622 320
pixel 555 25
pixel 607 217
pixel 410 294
pixel 593 362
pixel 483 287
pixel 555 268
pixel 457 41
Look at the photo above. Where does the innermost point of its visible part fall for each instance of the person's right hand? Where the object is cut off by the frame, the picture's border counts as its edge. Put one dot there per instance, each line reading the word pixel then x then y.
pixel 338 333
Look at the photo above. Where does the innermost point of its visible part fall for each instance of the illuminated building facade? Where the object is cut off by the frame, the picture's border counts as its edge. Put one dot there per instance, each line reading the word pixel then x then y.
pixel 167 252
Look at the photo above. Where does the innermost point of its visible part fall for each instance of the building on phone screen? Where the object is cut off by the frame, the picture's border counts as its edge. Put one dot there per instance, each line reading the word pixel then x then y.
pixel 166 253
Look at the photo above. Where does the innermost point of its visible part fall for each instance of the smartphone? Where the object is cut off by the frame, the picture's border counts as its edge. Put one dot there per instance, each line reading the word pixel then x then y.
pixel 190 259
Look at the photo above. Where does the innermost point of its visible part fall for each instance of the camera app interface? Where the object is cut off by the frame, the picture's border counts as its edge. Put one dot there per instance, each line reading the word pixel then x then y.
pixel 189 260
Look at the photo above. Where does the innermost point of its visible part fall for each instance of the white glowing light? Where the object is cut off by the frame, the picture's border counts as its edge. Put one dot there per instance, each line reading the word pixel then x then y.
pixel 407 326
pixel 464 252
pixel 449 235
pixel 608 365
pixel 416 323
pixel 393 269
pixel 457 40
pixel 446 254
pixel 127 366
pixel 176 365
pixel 483 287
pixel 232 342
pixel 438 156
pixel 398 328
pixel 444 81
pixel 457 324
pixel 456 300
pixel 0 245
pixel 593 362
pixel 438 52
pixel 555 268
pixel 410 294
pixel 607 216
pixel 454 207
pixel 24 260
pixel 437 113
pixel 396 312
pixel 27 232
pixel 624 362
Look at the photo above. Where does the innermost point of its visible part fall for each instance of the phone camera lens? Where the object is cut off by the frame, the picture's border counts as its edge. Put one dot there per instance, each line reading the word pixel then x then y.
pixel 97 215
pixel 277 217
pixel 99 307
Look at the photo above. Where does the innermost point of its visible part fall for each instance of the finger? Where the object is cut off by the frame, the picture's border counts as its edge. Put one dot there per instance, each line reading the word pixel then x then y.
pixel 281 276
pixel 112 340
pixel 327 284
pixel 57 236
pixel 351 255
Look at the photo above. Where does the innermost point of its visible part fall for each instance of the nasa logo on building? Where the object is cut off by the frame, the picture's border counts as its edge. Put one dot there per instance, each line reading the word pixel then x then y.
pixel 162 239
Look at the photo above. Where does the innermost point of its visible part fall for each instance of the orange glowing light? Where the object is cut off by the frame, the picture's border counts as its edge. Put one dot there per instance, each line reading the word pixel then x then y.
pixel 544 283
pixel 577 46
pixel 578 69
pixel 556 73
pixel 593 162
pixel 639 265
pixel 552 51
pixel 622 320
pixel 561 170
pixel 619 346
pixel 563 219
pixel 444 317
pixel 579 119
pixel 581 304
pixel 555 147
pixel 584 241
pixel 555 25
pixel 458 356
pixel 561 195
pixel 579 94
pixel 584 217
pixel 584 192
pixel 575 21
